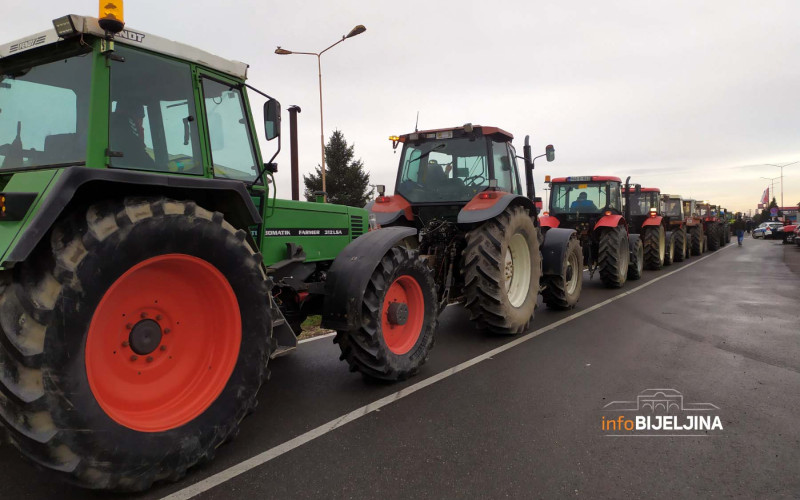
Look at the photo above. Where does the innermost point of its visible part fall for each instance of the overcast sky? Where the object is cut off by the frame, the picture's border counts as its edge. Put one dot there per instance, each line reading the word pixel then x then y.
pixel 692 97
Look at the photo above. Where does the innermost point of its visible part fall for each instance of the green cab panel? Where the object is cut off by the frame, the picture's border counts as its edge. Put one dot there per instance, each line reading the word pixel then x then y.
pixel 37 181
pixel 322 229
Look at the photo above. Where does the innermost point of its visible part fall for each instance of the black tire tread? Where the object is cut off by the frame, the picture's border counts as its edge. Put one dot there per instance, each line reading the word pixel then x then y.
pixel 607 257
pixel 554 294
pixel 650 240
pixel 27 387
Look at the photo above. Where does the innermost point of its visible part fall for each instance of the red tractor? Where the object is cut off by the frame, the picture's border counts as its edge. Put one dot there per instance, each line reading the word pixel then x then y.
pixel 647 219
pixel 592 206
pixel 676 225
pixel 694 228
pixel 713 226
pixel 459 197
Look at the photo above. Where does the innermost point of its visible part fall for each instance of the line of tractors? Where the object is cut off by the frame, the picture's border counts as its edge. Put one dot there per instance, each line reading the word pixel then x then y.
pixel 149 274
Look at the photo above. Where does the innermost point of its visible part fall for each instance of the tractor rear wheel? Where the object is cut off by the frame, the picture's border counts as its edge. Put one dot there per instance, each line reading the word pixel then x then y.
pixel 681 248
pixel 714 237
pixel 636 265
pixel 696 240
pixel 398 319
pixel 613 257
pixel 502 268
pixel 669 253
pixel 563 291
pixel 655 247
pixel 134 341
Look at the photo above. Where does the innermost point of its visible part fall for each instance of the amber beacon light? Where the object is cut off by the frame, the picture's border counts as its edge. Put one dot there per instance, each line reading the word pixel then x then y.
pixel 111 18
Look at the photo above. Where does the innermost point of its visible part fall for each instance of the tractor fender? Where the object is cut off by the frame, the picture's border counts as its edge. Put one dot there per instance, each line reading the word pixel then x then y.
pixel 80 186
pixel 554 250
pixel 387 213
pixel 548 221
pixel 350 272
pixel 480 210
pixel 652 221
pixel 612 220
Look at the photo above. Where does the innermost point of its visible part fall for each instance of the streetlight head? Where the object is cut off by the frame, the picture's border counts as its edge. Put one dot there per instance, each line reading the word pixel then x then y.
pixel 282 52
pixel 356 31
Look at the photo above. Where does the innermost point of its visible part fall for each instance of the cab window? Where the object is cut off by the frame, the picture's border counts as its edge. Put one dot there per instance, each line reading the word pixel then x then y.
pixel 228 132
pixel 152 121
pixel 503 167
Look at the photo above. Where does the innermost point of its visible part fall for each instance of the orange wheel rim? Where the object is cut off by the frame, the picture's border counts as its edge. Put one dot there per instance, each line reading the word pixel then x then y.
pixel 402 314
pixel 163 342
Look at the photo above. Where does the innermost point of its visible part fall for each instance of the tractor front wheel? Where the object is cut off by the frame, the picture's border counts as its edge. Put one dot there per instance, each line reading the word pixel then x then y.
pixel 714 237
pixel 134 341
pixel 696 240
pixel 637 260
pixel 399 316
pixel 613 257
pixel 681 247
pixel 502 267
pixel 669 253
pixel 563 291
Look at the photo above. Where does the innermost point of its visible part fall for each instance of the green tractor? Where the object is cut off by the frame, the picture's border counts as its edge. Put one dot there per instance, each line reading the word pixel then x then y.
pixel 149 272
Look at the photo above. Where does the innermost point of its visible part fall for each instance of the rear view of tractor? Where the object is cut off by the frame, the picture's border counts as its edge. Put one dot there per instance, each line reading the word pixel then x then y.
pixel 713 226
pixel 646 218
pixel 592 206
pixel 676 225
pixel 694 228
pixel 459 202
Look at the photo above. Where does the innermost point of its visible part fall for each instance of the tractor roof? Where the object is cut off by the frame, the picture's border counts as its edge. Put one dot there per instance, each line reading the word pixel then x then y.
pixel 85 25
pixel 586 178
pixel 643 190
pixel 442 133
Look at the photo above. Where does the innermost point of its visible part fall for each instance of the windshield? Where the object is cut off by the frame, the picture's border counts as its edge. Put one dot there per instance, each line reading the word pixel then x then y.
pixel 439 171
pixel 672 207
pixel 588 198
pixel 642 203
pixel 43 114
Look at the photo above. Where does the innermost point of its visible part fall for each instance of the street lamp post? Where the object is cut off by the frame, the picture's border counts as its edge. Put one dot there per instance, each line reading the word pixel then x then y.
pixel 283 52
pixel 781 167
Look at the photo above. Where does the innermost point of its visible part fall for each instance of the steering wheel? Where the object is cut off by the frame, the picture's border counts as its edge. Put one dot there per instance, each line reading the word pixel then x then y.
pixel 472 180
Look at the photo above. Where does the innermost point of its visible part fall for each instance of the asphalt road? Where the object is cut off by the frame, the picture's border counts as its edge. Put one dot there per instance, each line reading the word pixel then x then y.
pixel 525 420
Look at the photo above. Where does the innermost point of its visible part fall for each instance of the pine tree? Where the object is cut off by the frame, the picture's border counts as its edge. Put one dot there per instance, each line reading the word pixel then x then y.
pixel 346 181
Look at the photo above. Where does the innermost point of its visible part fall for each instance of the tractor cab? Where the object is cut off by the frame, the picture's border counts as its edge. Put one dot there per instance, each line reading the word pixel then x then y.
pixel 642 203
pixel 673 206
pixel 576 200
pixel 454 165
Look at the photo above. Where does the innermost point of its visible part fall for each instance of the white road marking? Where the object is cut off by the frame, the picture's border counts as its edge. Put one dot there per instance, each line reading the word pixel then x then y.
pixel 264 457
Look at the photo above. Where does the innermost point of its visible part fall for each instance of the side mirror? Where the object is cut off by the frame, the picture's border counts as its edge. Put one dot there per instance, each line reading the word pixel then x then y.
pixel 272 119
pixel 550 151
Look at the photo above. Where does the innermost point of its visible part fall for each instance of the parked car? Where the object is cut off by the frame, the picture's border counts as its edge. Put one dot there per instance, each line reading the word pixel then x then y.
pixel 766 230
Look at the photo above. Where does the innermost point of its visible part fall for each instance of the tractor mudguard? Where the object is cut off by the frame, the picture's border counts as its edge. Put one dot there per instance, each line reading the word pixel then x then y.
pixel 482 209
pixel 350 273
pixel 652 221
pixel 388 212
pixel 554 250
pixel 612 220
pixel 548 221
pixel 76 183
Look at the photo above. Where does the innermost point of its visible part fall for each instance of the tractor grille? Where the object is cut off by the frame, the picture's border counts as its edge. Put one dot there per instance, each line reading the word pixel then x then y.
pixel 356 226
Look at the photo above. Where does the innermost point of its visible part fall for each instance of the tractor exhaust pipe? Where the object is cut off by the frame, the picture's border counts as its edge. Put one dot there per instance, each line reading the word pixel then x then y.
pixel 627 212
pixel 293 110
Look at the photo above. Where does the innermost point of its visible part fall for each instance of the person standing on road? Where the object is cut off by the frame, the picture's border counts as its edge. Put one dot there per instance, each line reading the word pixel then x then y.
pixel 739 226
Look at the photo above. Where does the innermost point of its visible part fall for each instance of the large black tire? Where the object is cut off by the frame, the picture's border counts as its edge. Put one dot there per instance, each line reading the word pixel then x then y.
pixel 613 257
pixel 681 246
pixel 502 288
pixel 48 314
pixel 636 264
pixel 696 240
pixel 714 237
pixel 563 291
pixel 654 239
pixel 669 251
pixel 376 349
